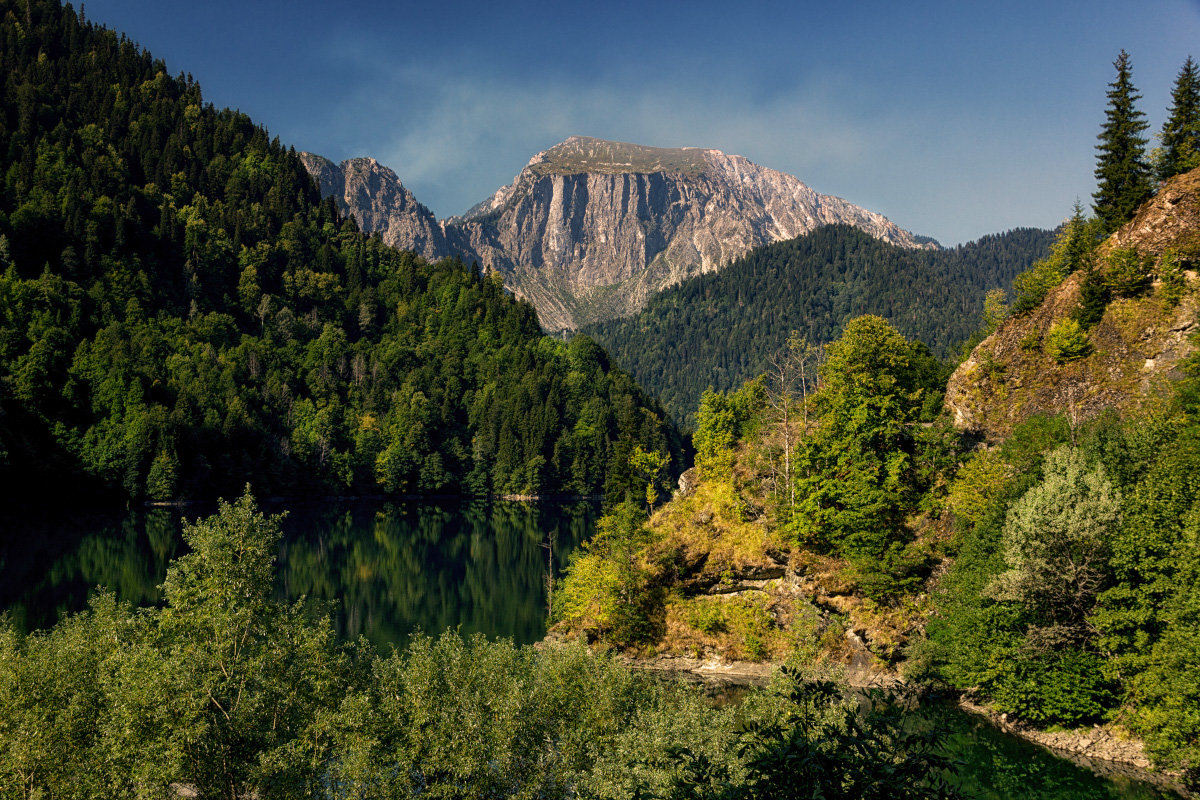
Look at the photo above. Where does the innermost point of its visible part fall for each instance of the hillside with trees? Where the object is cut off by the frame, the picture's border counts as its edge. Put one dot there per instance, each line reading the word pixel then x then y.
pixel 1051 575
pixel 719 330
pixel 180 312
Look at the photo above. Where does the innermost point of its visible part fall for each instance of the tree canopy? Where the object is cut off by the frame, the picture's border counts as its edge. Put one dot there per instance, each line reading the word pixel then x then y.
pixel 1180 135
pixel 180 312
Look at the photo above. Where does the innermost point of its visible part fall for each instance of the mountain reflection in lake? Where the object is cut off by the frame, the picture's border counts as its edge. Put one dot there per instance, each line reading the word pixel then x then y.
pixel 391 567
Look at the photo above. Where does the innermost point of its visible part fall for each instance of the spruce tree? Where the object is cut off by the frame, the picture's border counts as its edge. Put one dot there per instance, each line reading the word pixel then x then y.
pixel 1122 174
pixel 1180 150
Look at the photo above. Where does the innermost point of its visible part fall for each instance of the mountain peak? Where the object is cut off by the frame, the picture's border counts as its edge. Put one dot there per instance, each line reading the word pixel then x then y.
pixel 591 228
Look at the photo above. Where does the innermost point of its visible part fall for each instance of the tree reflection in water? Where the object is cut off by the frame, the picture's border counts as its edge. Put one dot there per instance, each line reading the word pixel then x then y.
pixel 391 567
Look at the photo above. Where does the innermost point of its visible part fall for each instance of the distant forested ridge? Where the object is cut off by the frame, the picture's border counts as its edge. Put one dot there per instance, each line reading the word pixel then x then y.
pixel 181 312
pixel 718 330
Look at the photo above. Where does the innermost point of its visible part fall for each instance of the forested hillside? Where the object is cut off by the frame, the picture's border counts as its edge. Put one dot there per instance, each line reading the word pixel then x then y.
pixel 1054 576
pixel 180 312
pixel 719 330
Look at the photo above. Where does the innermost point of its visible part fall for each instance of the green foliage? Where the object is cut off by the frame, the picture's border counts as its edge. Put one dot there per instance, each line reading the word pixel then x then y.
pixel 858 473
pixel 1127 273
pixel 180 312
pixel 1066 341
pixel 724 419
pixel 1072 598
pixel 995 309
pixel 1071 252
pixel 650 467
pixel 722 329
pixel 1032 285
pixel 1060 687
pixel 1180 135
pixel 1174 282
pixel 830 747
pixel 1094 296
pixel 1055 542
pixel 220 689
pixel 1122 174
pixel 605 590
pixel 235 694
pixel 976 486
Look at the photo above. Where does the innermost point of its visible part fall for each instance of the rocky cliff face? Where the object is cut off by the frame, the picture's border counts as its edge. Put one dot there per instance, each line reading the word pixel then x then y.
pixel 590 229
pixel 380 202
pixel 1137 347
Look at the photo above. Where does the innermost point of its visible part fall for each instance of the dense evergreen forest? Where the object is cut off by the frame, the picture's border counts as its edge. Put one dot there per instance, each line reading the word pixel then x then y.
pixel 179 312
pixel 719 330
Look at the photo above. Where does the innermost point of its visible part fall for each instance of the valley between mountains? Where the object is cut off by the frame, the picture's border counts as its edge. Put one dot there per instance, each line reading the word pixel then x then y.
pixel 813 440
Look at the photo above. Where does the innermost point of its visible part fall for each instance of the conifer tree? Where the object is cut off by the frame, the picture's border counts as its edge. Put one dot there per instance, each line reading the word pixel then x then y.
pixel 1180 150
pixel 1122 174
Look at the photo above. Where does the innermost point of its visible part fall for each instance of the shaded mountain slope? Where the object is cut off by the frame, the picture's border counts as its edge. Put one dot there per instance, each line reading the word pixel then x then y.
pixel 181 312
pixel 719 330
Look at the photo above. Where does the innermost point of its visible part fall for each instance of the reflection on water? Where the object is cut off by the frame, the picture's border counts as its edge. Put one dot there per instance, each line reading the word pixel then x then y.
pixel 395 567
pixel 391 567
pixel 994 765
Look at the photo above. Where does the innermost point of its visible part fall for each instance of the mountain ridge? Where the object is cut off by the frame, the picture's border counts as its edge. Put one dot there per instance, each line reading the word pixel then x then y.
pixel 590 229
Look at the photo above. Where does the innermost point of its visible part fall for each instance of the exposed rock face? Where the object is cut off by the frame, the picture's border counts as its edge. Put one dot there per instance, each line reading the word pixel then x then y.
pixel 374 194
pixel 1137 347
pixel 590 229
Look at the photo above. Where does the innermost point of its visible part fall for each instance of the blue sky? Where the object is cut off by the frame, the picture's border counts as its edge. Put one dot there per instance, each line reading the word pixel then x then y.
pixel 954 119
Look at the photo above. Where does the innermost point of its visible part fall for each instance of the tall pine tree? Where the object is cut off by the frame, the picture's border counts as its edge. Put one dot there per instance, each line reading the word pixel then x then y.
pixel 1180 150
pixel 1122 174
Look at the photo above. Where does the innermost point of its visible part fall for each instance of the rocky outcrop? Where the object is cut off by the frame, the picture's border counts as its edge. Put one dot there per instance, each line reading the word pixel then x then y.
pixel 380 202
pixel 1137 348
pixel 590 229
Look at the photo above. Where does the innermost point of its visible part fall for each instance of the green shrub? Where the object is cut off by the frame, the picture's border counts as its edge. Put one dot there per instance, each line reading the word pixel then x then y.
pixel 1127 273
pixel 1174 284
pixel 1032 285
pixel 1059 688
pixel 1066 341
pixel 1094 298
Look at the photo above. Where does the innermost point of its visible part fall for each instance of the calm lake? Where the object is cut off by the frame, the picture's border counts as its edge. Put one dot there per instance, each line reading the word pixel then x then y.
pixel 395 567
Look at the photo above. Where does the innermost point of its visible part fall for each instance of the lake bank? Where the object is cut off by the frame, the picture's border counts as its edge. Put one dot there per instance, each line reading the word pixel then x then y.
pixel 1107 752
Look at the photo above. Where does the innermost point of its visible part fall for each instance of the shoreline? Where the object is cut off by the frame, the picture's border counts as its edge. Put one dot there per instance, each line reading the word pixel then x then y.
pixel 1097 749
pixel 354 498
pixel 1105 751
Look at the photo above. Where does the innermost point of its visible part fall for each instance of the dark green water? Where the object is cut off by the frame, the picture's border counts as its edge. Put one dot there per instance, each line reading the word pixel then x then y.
pixel 998 766
pixel 396 567
pixel 391 567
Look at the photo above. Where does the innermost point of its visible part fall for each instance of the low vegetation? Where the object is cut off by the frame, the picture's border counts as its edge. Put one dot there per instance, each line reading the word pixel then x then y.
pixel 228 692
pixel 835 482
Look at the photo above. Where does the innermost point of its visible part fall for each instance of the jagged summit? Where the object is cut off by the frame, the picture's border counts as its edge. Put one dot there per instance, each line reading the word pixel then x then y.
pixel 380 202
pixel 591 228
